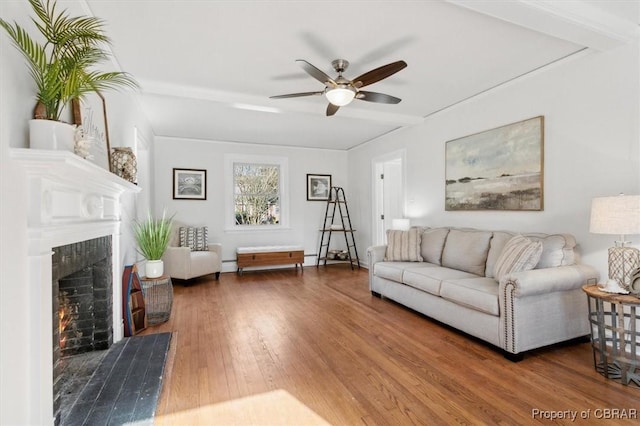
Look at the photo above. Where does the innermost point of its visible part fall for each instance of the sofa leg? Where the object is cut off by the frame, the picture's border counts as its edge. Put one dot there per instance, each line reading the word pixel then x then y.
pixel 378 295
pixel 514 357
pixel 217 275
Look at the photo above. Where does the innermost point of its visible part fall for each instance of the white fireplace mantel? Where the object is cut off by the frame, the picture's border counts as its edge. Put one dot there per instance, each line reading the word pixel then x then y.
pixel 67 189
pixel 44 162
pixel 69 200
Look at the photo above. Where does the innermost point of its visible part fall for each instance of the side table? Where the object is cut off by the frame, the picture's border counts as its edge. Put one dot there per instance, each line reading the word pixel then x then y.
pixel 615 334
pixel 158 298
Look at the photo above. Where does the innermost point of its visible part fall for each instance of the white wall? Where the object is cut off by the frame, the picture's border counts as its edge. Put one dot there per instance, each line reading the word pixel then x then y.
pixel 306 216
pixel 16 383
pixel 128 127
pixel 591 149
pixel 19 386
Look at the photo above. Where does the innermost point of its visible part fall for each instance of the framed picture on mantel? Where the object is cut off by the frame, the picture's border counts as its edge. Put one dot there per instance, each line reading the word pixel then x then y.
pixel 90 114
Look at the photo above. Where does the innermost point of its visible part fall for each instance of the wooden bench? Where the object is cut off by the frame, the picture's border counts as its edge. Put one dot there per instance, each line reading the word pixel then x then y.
pixel 269 256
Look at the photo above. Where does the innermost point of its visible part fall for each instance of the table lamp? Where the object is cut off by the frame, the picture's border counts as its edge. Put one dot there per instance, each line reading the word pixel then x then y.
pixel 618 215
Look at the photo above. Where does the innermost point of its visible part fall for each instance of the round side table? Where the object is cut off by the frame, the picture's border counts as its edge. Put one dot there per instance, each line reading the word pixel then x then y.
pixel 615 334
pixel 158 298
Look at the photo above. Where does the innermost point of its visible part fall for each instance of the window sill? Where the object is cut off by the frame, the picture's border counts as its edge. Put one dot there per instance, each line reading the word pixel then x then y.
pixel 256 228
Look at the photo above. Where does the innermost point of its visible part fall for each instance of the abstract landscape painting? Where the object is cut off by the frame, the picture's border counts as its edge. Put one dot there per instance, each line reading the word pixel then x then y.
pixel 499 169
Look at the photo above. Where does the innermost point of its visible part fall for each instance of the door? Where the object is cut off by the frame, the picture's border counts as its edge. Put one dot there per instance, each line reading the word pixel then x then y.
pixel 388 193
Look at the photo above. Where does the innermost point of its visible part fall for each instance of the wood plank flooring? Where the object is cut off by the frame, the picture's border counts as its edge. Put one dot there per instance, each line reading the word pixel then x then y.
pixel 285 347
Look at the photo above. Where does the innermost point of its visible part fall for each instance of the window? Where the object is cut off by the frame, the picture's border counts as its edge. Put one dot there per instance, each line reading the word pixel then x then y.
pixel 257 196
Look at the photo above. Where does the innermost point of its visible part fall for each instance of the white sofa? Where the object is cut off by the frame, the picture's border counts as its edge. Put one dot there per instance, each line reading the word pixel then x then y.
pixel 452 280
pixel 184 262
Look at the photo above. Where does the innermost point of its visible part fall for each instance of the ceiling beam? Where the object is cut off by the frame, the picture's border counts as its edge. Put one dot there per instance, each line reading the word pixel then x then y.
pixel 266 105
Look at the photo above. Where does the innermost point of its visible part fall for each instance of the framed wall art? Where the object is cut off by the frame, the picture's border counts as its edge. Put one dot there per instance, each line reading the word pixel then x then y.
pixel 318 187
pixel 498 169
pixel 90 114
pixel 189 184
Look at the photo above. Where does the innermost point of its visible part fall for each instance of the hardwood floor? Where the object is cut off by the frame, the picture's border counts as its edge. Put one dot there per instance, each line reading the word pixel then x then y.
pixel 285 347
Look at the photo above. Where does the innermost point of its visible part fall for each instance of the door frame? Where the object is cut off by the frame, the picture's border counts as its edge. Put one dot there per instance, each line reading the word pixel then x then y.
pixel 377 201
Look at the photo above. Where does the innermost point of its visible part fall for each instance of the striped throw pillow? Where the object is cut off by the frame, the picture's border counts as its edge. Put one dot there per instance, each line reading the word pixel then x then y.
pixel 519 254
pixel 403 246
pixel 194 238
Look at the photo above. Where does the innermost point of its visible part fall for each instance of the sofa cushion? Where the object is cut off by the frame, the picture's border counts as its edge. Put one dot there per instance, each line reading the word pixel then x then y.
pixel 519 254
pixel 498 241
pixel 194 238
pixel 403 246
pixel 478 293
pixel 432 244
pixel 393 270
pixel 466 250
pixel 557 250
pixel 429 279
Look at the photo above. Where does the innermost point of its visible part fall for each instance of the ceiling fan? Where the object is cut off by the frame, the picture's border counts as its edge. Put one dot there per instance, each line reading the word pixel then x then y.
pixel 340 91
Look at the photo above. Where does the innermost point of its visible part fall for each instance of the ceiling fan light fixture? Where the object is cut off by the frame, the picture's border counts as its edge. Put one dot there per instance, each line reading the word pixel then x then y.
pixel 341 95
pixel 340 92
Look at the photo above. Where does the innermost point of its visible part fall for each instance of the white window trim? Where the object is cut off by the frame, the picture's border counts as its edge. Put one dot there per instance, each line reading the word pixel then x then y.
pixel 229 205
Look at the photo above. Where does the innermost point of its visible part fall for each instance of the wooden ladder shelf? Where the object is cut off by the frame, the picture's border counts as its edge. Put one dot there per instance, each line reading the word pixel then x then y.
pixel 337 219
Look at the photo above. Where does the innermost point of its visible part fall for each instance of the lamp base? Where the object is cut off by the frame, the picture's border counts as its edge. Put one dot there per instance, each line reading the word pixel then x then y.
pixel 622 262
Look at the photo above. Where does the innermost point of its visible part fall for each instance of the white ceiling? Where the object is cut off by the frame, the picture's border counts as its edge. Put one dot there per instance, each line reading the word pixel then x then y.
pixel 206 68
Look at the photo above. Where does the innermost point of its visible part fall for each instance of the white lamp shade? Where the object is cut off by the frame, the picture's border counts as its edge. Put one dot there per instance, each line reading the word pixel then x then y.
pixel 401 224
pixel 617 215
pixel 340 96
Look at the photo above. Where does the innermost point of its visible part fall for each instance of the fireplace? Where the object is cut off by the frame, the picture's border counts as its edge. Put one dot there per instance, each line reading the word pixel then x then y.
pixel 74 211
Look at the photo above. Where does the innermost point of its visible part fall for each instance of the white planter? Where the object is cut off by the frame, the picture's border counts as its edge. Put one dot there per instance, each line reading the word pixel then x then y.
pixel 154 268
pixel 50 134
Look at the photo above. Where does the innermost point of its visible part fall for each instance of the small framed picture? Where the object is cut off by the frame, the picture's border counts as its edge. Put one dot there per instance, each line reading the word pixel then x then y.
pixel 318 187
pixel 189 184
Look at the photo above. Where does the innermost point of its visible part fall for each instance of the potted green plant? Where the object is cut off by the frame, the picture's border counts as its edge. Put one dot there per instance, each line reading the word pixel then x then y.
pixel 152 236
pixel 63 61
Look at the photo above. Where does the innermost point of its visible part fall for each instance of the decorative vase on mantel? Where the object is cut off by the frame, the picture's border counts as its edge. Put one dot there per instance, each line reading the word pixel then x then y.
pixel 51 134
pixel 123 163
pixel 154 268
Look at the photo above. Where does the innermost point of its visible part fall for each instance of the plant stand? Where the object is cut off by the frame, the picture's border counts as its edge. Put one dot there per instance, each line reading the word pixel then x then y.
pixel 158 298
pixel 615 336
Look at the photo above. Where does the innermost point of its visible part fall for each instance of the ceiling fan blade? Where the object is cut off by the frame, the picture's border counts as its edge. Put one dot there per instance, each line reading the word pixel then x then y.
pixel 316 73
pixel 332 109
pixel 364 95
pixel 296 95
pixel 378 74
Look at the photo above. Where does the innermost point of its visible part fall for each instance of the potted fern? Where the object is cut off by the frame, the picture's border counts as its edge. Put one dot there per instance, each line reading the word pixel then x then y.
pixel 63 60
pixel 152 236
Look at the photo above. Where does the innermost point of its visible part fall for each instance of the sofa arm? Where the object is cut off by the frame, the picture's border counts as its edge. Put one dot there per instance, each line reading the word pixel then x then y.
pixel 376 254
pixel 549 280
pixel 217 248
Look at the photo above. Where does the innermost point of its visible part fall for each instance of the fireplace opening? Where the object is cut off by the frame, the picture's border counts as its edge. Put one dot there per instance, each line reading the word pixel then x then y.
pixel 82 309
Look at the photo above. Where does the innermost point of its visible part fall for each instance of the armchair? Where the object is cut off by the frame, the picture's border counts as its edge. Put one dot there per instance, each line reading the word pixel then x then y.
pixel 188 261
